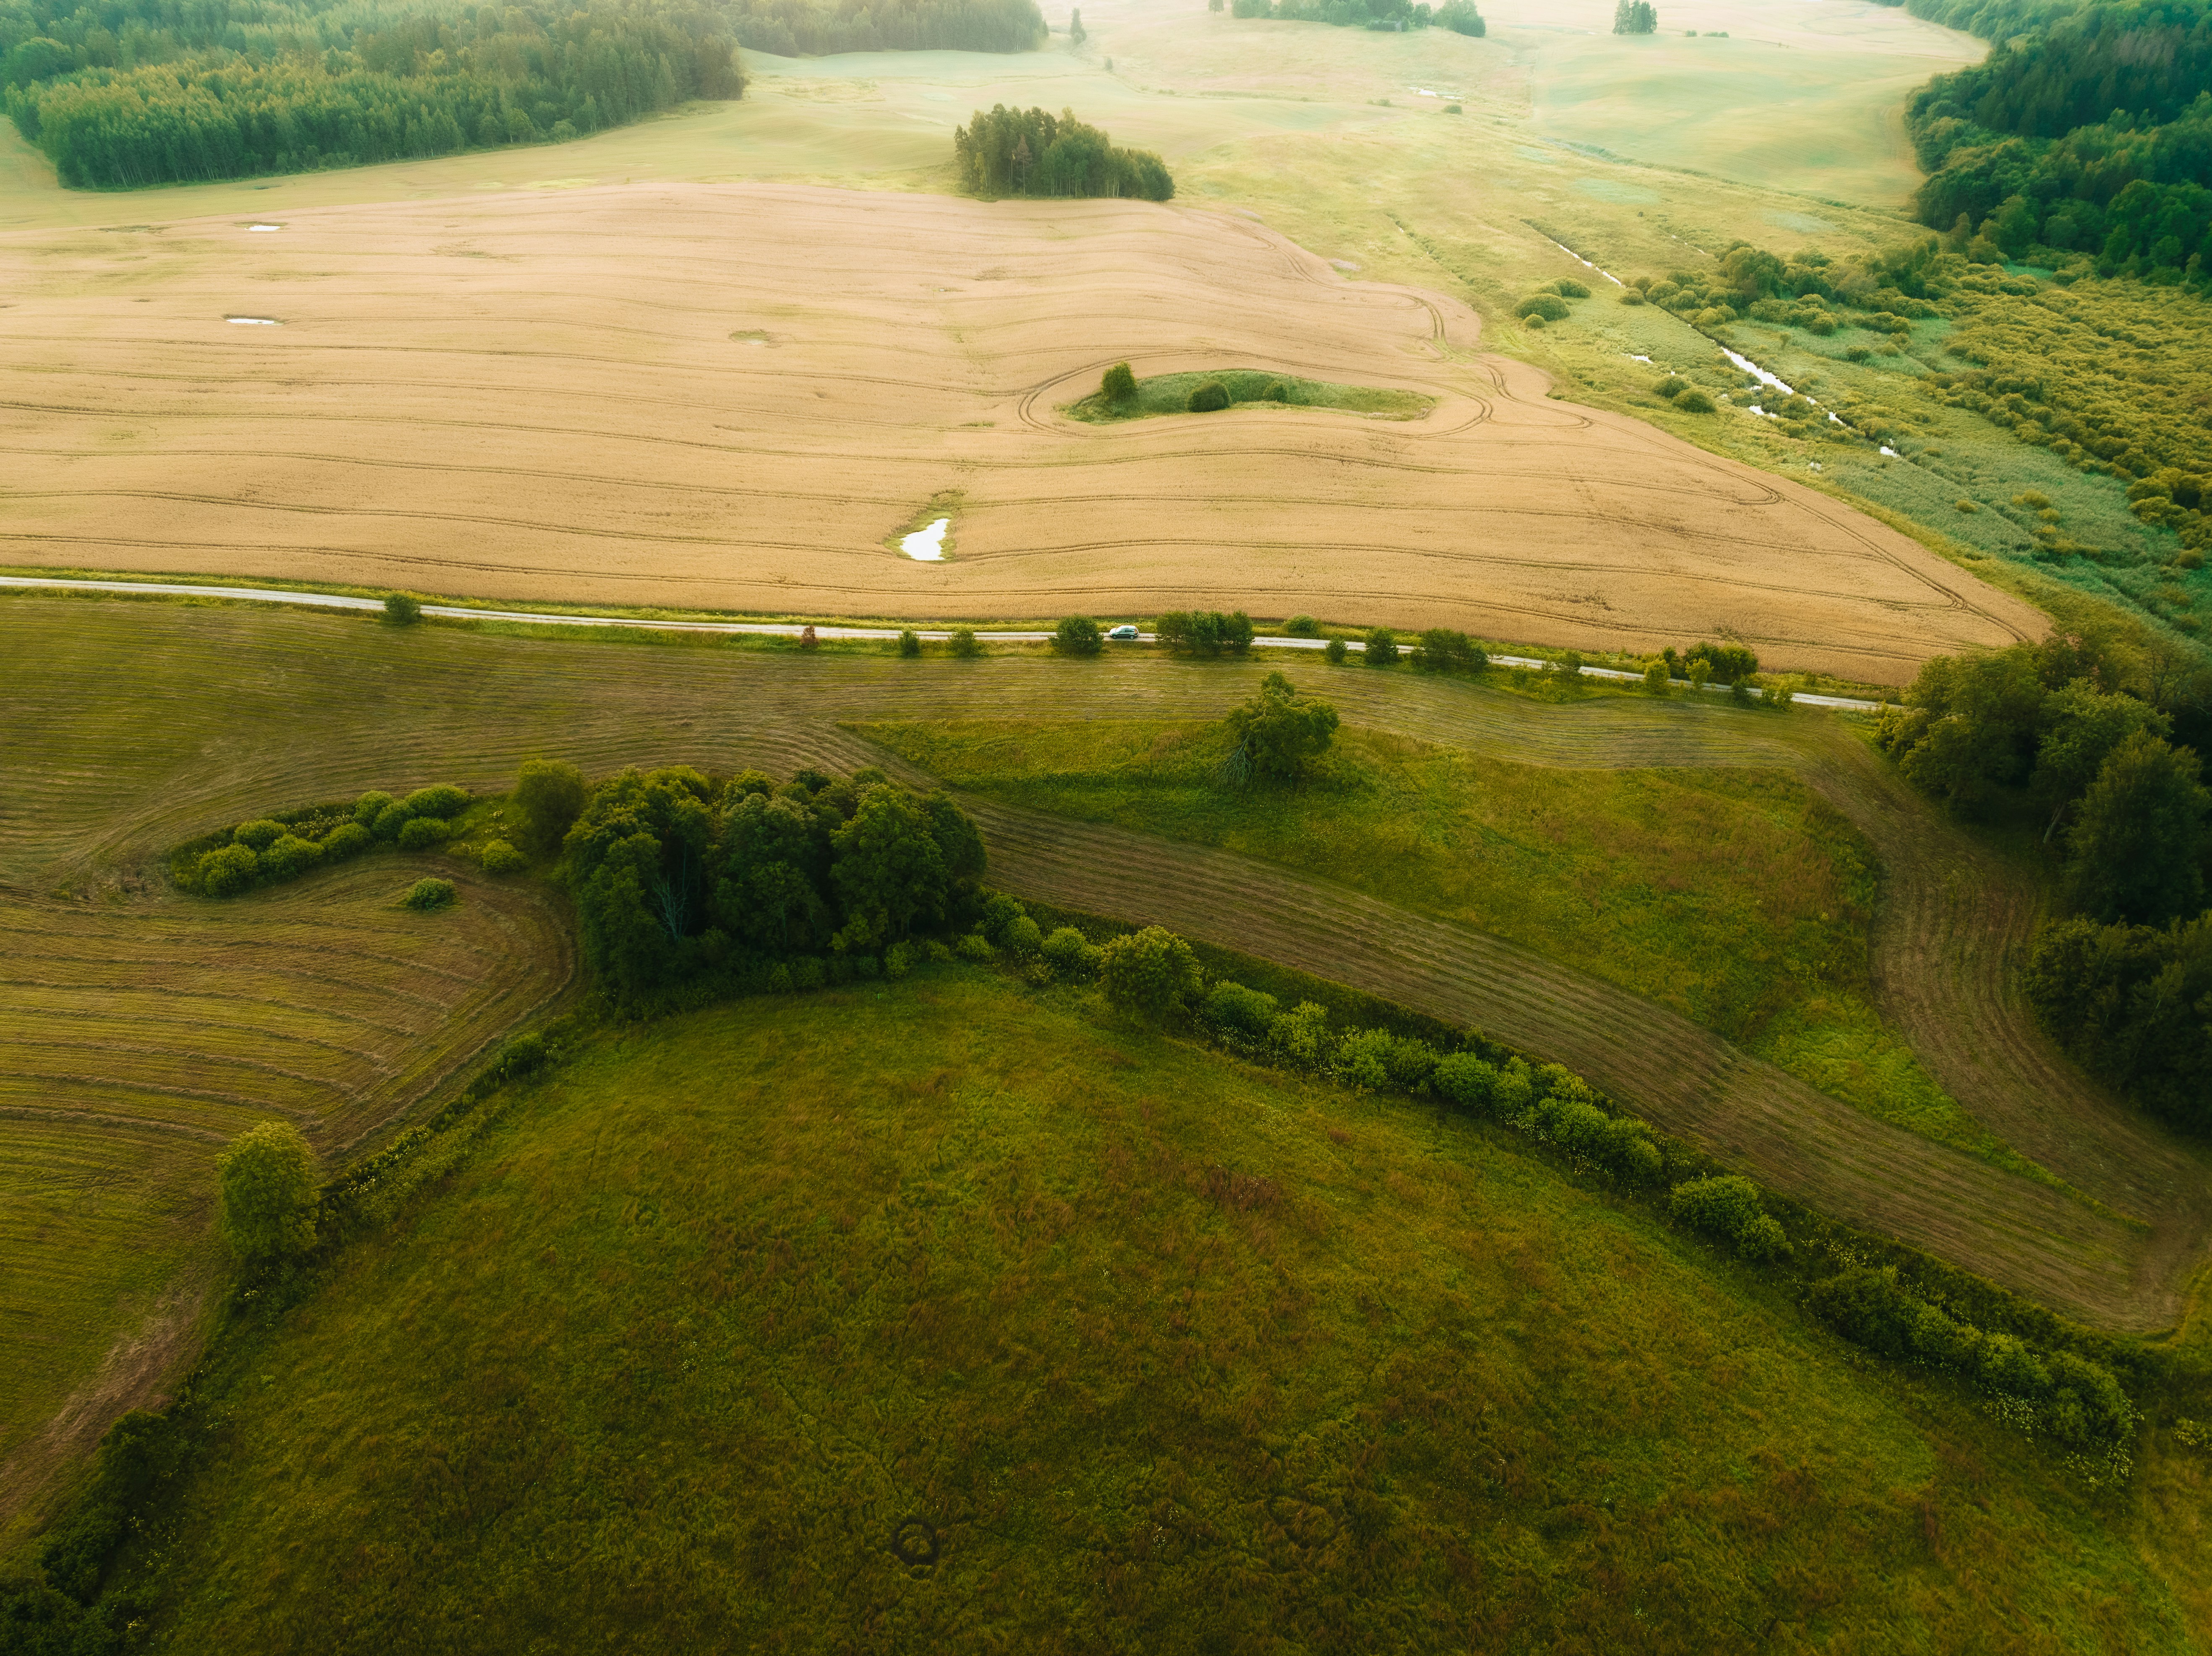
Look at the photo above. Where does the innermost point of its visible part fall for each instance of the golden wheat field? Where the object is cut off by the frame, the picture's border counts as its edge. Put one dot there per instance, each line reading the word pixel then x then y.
pixel 739 397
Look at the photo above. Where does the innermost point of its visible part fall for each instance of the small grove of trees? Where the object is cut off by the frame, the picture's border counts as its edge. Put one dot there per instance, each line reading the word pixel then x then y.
pixel 797 29
pixel 1442 650
pixel 1027 152
pixel 2133 1003
pixel 1277 731
pixel 1205 631
pixel 687 886
pixel 1459 16
pixel 1634 17
pixel 270 849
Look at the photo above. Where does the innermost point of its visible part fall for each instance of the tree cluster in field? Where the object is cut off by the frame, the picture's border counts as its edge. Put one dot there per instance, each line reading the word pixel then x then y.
pixel 140 92
pixel 1634 17
pixel 1459 16
pixel 2089 138
pixel 1548 304
pixel 270 849
pixel 2058 734
pixel 809 29
pixel 1027 152
pixel 688 887
pixel 2036 1386
pixel 1206 633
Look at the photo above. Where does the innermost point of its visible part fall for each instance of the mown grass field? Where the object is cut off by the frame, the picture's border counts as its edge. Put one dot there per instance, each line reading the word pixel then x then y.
pixel 950 1314
pixel 1738 897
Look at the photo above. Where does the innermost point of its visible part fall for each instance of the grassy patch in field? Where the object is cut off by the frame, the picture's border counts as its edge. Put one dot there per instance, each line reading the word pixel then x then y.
pixel 1170 393
pixel 944 1314
pixel 1737 897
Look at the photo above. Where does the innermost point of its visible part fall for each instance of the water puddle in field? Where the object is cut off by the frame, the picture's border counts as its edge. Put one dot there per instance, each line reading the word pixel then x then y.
pixel 927 545
pixel 253 322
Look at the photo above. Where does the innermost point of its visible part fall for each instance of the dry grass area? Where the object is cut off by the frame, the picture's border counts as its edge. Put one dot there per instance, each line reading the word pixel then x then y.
pixel 737 397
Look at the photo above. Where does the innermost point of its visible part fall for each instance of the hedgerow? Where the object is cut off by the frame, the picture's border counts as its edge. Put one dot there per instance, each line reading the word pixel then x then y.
pixel 266 851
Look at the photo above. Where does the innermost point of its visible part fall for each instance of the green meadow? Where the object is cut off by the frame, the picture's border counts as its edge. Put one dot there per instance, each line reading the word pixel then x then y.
pixel 949 1313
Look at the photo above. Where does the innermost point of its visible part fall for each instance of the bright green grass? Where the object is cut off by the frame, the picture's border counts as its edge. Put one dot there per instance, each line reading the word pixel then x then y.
pixel 1167 1355
pixel 1169 393
pixel 1737 897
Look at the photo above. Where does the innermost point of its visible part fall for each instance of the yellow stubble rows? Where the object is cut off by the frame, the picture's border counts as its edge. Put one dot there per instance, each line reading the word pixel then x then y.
pixel 737 397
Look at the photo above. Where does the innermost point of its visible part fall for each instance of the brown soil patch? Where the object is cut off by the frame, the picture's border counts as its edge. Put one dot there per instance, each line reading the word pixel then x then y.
pixel 735 396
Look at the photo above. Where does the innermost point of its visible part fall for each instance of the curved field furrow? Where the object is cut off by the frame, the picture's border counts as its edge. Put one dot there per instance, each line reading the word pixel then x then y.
pixel 781 421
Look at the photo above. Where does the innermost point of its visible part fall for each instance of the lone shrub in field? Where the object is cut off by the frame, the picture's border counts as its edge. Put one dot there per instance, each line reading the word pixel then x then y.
pixel 1726 1207
pixel 400 610
pixel 1335 651
pixel 1695 401
pixel 1549 306
pixel 1672 386
pixel 426 894
pixel 1120 385
pixel 1657 681
pixel 1151 973
pixel 421 832
pixel 1209 397
pixel 965 644
pixel 909 643
pixel 267 1192
pixel 1382 648
pixel 1568 287
pixel 231 869
pixel 550 795
pixel 501 857
pixel 1302 627
pixel 1078 635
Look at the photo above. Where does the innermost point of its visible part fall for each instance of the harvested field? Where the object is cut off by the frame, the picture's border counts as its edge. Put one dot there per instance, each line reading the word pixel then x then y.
pixel 468 708
pixel 417 422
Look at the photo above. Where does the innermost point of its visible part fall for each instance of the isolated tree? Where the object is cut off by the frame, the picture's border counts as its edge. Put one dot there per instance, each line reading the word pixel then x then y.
pixel 1119 385
pixel 267 1187
pixel 1075 31
pixel 1151 973
pixel 1277 732
pixel 909 643
pixel 550 795
pixel 2138 835
pixel 400 610
pixel 1382 647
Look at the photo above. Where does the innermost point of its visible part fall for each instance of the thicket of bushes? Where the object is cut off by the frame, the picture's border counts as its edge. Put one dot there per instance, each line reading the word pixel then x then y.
pixel 1027 152
pixel 2133 1003
pixel 1205 631
pixel 687 887
pixel 270 849
pixel 142 92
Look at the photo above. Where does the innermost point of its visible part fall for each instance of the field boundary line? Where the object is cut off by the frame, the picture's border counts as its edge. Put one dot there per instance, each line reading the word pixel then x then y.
pixel 754 628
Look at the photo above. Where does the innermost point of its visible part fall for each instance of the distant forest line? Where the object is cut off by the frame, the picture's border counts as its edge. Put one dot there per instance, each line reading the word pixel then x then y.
pixel 133 93
pixel 2085 136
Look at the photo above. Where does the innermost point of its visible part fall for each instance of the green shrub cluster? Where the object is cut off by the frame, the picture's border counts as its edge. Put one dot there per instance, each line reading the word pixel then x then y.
pixel 138 92
pixel 1027 152
pixel 1078 635
pixel 1209 397
pixel 2036 1389
pixel 2133 1003
pixel 1634 17
pixel 1460 17
pixel 1726 1207
pixel 1442 649
pixel 270 849
pixel 1205 631
pixel 813 29
pixel 687 887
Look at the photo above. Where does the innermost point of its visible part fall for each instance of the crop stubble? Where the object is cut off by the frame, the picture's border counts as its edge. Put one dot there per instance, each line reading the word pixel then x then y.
pixel 734 396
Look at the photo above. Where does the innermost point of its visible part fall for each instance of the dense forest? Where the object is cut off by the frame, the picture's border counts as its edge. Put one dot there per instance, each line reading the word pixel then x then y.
pixel 1027 152
pixel 2091 139
pixel 2098 755
pixel 145 92
pixel 1459 16
pixel 792 28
